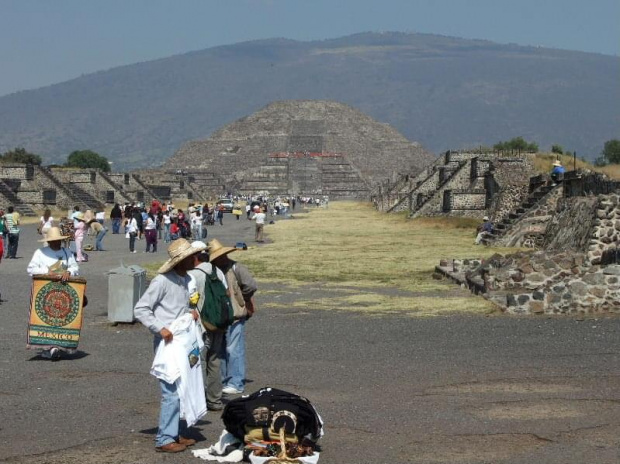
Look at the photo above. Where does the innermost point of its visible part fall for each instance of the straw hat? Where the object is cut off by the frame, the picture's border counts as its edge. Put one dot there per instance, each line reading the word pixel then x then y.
pixel 79 216
pixel 177 252
pixel 557 163
pixel 53 234
pixel 216 249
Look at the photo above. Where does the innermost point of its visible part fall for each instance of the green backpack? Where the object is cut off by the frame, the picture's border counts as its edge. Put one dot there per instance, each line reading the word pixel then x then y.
pixel 217 311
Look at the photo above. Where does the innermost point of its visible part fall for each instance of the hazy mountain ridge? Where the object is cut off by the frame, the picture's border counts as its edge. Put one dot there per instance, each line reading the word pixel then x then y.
pixel 440 91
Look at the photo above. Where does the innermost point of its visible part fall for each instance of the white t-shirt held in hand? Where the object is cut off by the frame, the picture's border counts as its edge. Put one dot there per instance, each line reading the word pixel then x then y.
pixel 178 362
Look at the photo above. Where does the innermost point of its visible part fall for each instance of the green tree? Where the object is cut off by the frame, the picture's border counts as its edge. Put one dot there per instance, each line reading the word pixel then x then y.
pixel 557 149
pixel 20 155
pixel 516 144
pixel 611 151
pixel 87 159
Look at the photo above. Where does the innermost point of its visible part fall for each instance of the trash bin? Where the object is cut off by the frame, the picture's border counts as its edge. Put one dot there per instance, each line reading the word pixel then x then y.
pixel 126 284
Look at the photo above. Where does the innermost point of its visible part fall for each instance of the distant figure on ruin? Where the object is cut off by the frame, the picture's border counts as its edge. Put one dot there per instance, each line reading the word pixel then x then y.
pixel 557 173
pixel 484 229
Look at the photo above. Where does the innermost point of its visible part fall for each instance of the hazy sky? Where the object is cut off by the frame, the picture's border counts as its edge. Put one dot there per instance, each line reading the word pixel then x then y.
pixel 48 41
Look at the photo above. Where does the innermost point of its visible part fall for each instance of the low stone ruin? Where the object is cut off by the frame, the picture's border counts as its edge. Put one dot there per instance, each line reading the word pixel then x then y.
pixel 585 279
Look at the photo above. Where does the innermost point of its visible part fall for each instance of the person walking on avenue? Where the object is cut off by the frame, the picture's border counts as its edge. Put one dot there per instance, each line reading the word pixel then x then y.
pixel 54 260
pixel 46 222
pixel 150 233
pixel 116 215
pixel 242 287
pixel 215 342
pixel 259 217
pixel 132 233
pixel 166 299
pixel 80 231
pixel 11 220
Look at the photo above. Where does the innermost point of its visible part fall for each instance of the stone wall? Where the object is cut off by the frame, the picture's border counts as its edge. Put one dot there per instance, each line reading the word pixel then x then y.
pixel 533 224
pixel 8 171
pixel 572 225
pixel 540 282
pixel 605 239
pixel 508 185
pixel 464 200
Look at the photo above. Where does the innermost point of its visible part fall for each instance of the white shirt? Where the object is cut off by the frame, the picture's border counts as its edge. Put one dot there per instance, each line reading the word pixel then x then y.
pixel 47 224
pixel 45 257
pixel 150 224
pixel 178 362
pixel 100 216
pixel 259 217
pixel 132 226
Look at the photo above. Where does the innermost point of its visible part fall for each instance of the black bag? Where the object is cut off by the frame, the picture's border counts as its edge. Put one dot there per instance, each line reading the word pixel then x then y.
pixel 270 408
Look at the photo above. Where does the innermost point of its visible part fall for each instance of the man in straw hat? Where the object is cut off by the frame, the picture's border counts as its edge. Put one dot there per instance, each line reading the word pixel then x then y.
pixel 166 299
pixel 214 342
pixel 55 260
pixel 557 173
pixel 242 287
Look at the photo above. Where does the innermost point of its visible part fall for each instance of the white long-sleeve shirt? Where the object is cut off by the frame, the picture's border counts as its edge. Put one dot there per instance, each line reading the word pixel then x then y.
pixel 45 257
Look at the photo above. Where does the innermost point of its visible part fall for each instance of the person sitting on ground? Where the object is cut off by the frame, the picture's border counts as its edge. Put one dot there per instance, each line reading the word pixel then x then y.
pixel 557 173
pixel 484 229
pixel 53 260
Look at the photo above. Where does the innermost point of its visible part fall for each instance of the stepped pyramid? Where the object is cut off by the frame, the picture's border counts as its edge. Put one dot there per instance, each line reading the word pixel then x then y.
pixel 304 147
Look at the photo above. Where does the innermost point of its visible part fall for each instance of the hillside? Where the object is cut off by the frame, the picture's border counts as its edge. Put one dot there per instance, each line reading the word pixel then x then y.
pixel 442 92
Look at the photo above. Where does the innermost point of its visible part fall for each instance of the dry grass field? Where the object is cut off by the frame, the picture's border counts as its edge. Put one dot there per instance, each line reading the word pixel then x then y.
pixel 351 257
pixel 543 163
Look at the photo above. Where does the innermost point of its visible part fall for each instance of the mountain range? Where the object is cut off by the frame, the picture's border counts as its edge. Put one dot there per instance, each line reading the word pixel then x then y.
pixel 443 92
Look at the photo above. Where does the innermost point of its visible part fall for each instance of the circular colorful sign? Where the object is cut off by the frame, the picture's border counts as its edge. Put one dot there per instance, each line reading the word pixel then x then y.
pixel 57 304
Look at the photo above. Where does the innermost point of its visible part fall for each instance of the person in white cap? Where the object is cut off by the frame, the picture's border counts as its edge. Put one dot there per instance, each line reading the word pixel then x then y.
pixel 259 217
pixel 557 173
pixel 484 229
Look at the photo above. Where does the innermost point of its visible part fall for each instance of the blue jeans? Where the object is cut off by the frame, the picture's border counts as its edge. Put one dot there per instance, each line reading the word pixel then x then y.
pixel 132 241
pixel 170 425
pixel 233 360
pixel 169 415
pixel 116 225
pixel 100 235
pixel 167 233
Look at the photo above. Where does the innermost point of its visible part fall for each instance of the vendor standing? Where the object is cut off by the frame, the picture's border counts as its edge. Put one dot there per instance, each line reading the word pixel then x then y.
pixel 53 260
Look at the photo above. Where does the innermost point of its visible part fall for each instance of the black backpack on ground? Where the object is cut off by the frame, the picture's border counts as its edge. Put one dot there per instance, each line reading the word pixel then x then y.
pixel 273 408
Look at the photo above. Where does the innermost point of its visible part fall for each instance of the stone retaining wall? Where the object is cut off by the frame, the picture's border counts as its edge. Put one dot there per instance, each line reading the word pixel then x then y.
pixel 540 282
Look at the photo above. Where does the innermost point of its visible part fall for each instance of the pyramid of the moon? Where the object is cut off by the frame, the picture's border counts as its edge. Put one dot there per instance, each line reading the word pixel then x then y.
pixel 303 147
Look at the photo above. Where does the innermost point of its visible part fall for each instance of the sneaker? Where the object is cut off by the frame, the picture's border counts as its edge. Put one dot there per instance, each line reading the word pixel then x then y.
pixel 215 407
pixel 231 391
pixel 55 353
pixel 134 251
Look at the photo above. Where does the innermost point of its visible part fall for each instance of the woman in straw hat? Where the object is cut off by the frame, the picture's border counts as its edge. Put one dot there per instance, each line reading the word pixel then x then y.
pixel 53 260
pixel 166 299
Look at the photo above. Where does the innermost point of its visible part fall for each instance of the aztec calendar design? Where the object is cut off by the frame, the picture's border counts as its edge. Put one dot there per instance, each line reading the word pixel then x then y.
pixel 57 304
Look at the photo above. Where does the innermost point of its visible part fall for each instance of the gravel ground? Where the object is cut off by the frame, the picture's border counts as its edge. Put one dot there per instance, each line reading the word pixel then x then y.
pixel 457 389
